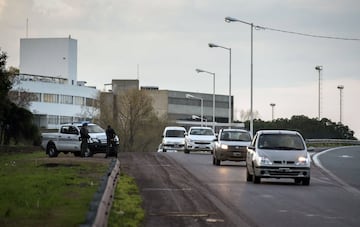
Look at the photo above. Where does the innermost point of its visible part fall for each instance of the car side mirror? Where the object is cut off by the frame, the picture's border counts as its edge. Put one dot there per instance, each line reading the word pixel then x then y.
pixel 251 147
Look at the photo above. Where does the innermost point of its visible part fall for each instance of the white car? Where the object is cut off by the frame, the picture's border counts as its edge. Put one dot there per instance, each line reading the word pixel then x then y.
pixel 173 138
pixel 199 139
pixel 278 154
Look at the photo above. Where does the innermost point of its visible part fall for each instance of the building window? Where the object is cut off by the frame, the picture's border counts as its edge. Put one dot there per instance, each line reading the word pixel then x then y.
pixel 35 97
pixel 65 119
pixel 79 100
pixel 53 120
pixel 53 98
pixel 66 99
pixel 91 102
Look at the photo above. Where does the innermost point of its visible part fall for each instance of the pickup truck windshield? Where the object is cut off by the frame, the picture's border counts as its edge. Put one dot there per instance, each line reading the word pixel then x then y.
pixel 94 129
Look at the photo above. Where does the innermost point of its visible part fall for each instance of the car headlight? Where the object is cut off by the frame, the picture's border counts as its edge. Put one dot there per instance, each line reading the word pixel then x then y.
pixel 264 161
pixel 302 161
pixel 224 146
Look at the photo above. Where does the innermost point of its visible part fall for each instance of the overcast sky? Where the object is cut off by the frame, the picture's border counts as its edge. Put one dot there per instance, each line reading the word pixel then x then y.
pixel 168 40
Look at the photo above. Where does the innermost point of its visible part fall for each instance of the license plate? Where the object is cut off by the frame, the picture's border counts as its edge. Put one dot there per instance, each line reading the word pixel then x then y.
pixel 284 169
pixel 237 154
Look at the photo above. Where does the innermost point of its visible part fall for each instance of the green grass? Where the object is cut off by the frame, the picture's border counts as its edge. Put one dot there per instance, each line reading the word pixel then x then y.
pixel 126 208
pixel 36 191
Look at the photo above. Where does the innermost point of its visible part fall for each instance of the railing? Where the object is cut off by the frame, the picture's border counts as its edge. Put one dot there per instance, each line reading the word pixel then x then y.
pixel 100 207
pixel 332 141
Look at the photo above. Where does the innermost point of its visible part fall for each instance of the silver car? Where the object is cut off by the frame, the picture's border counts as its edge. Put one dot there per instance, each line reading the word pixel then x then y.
pixel 278 154
pixel 231 145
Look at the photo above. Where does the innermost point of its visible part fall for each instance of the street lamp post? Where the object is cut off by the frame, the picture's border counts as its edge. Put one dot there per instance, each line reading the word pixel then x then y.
pixel 211 45
pixel 341 87
pixel 230 19
pixel 272 110
pixel 213 74
pixel 319 68
pixel 201 105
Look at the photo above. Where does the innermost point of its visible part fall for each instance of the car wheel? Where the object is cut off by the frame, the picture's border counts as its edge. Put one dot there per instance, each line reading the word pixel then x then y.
pixel 186 151
pixel 88 153
pixel 249 177
pixel 217 161
pixel 306 181
pixel 256 179
pixel 52 151
pixel 213 160
pixel 164 150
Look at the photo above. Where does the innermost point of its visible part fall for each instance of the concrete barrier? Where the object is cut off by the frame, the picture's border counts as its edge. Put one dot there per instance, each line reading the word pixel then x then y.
pixel 100 207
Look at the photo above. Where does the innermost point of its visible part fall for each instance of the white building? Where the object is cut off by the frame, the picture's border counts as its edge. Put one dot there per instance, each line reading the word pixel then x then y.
pixel 48 72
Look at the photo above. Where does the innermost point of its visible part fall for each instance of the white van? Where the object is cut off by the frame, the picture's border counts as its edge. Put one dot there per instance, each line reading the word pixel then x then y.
pixel 173 138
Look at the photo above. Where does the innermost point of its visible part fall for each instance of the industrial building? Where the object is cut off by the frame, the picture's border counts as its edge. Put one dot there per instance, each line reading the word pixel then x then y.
pixel 48 74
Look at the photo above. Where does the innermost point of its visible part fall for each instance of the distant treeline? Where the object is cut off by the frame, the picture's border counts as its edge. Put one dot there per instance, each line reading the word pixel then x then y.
pixel 310 128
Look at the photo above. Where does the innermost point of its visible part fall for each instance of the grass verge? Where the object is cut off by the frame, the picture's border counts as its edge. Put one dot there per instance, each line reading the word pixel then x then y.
pixel 126 208
pixel 38 191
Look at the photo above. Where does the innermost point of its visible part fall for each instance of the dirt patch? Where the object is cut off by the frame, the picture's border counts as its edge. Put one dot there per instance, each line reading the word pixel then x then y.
pixel 53 165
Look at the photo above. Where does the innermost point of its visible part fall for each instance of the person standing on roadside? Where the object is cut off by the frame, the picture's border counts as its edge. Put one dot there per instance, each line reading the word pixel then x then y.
pixel 84 134
pixel 110 136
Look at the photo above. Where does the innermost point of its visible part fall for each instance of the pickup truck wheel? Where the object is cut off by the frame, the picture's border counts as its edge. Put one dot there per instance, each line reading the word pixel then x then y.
pixel 88 153
pixel 52 151
pixel 306 181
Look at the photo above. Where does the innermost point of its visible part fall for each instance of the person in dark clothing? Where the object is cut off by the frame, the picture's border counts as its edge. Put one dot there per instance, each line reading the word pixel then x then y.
pixel 110 136
pixel 84 134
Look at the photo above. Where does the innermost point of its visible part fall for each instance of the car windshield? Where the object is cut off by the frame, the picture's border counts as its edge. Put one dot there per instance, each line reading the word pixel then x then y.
pixel 235 136
pixel 175 133
pixel 202 131
pixel 280 142
pixel 94 129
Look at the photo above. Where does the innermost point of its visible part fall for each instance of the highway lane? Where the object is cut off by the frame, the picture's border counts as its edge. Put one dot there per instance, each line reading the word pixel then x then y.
pixel 274 202
pixel 343 163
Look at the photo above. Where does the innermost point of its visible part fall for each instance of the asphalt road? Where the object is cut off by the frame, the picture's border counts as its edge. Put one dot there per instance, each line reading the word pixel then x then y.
pixel 187 190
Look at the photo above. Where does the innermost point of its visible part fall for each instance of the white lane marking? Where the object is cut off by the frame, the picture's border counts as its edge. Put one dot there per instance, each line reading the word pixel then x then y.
pixel 346 186
pixel 345 156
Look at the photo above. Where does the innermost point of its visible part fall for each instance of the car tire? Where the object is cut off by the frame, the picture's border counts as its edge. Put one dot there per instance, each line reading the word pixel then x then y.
pixel 217 161
pixel 256 179
pixel 306 181
pixel 249 177
pixel 213 160
pixel 52 151
pixel 186 151
pixel 164 150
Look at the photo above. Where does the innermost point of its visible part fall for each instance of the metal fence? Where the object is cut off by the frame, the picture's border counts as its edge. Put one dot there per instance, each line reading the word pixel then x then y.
pixel 332 141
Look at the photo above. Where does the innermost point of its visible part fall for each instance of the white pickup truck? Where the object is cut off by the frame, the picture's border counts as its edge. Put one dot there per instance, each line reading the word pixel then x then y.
pixel 68 140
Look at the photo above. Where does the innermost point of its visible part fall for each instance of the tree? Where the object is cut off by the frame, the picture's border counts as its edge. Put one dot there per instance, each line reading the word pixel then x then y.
pixel 132 115
pixel 310 128
pixel 15 121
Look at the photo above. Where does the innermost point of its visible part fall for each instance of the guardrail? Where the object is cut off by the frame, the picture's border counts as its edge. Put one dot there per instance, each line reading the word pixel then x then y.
pixel 100 207
pixel 332 141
